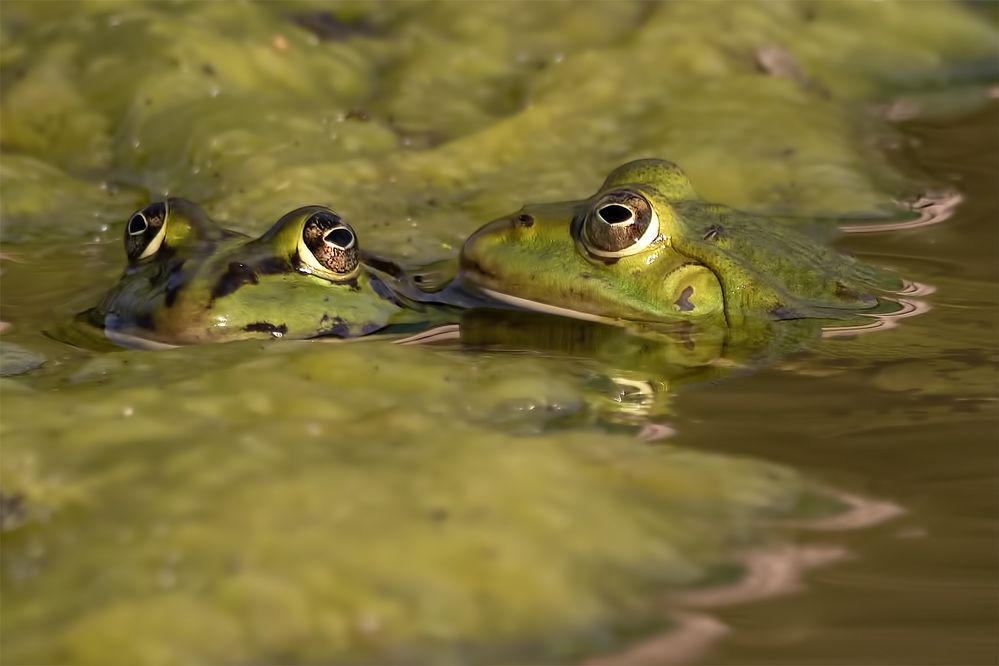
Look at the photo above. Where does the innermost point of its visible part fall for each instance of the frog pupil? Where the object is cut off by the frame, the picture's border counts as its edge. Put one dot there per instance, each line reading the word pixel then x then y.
pixel 137 225
pixel 615 213
pixel 331 243
pixel 618 223
pixel 341 237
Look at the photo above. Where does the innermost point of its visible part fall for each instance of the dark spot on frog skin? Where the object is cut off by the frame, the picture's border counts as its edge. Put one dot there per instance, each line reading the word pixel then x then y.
pixel 174 283
pixel 266 327
pixel 684 301
pixel 235 276
pixel 329 28
pixel 338 328
pixel 238 274
pixel 386 266
pixel 333 326
pixel 713 232
pixel 383 291
pixel 781 312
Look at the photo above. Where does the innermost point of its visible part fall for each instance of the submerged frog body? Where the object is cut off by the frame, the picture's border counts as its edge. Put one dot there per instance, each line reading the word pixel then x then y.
pixel 646 248
pixel 632 373
pixel 188 280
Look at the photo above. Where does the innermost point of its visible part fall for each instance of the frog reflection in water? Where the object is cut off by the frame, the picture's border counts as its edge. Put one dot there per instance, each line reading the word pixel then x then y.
pixel 646 248
pixel 189 281
pixel 630 374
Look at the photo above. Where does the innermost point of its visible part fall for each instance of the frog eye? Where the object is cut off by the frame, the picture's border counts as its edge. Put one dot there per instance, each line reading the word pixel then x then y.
pixel 145 231
pixel 328 247
pixel 621 223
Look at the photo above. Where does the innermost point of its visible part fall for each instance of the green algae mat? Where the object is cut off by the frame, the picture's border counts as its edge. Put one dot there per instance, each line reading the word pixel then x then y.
pixel 366 502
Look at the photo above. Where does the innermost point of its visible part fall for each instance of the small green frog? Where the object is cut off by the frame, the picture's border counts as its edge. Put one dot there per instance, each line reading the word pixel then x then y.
pixel 189 280
pixel 646 248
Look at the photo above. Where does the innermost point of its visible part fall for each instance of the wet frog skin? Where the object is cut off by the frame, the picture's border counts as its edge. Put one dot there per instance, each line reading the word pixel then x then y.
pixel 646 248
pixel 190 281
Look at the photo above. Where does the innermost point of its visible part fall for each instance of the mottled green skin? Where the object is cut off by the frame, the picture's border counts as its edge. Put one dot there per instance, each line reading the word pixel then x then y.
pixel 706 261
pixel 208 284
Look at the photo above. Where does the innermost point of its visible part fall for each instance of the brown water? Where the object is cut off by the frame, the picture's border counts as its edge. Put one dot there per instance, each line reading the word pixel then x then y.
pixel 920 429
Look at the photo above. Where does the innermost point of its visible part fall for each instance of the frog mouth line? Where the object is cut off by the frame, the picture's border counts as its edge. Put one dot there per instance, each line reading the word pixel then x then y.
pixel 475 277
pixel 537 306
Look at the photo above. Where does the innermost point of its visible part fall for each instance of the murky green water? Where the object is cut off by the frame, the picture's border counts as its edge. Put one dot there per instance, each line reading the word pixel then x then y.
pixel 567 493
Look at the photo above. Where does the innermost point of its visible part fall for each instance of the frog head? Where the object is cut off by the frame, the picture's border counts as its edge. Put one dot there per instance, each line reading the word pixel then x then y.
pixel 646 248
pixel 188 280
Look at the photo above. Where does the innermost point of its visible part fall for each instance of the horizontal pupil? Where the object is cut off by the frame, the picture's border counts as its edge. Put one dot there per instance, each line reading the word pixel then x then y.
pixel 340 237
pixel 615 213
pixel 137 225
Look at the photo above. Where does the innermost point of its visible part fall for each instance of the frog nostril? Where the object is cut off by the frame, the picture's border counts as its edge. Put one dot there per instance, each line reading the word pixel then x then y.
pixel 524 220
pixel 713 232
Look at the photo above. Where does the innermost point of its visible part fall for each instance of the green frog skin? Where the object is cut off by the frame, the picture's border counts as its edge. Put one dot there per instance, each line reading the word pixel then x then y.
pixel 190 281
pixel 646 248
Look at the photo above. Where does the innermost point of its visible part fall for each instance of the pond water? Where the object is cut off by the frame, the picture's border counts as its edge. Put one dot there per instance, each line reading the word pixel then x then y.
pixel 918 426
pixel 537 490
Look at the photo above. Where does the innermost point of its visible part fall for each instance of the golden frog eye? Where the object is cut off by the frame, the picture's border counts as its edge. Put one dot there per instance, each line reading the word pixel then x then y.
pixel 145 231
pixel 328 247
pixel 621 223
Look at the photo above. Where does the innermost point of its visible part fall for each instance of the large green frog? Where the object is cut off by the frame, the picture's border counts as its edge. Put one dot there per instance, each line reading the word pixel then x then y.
pixel 189 280
pixel 646 248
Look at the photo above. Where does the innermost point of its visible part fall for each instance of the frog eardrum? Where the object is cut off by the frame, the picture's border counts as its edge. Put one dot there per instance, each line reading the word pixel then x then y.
pixel 328 247
pixel 620 224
